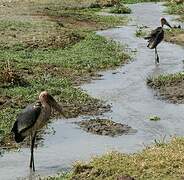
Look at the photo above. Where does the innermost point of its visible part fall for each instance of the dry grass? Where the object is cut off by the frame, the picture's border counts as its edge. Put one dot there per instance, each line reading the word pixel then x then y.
pixel 158 162
pixel 11 77
pixel 49 24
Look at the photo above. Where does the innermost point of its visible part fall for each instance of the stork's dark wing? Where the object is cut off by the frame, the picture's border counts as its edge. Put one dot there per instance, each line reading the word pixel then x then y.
pixel 27 118
pixel 154 33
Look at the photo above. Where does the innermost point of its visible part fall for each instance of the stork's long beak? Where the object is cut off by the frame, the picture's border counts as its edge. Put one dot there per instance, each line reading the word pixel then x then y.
pixel 167 24
pixel 54 104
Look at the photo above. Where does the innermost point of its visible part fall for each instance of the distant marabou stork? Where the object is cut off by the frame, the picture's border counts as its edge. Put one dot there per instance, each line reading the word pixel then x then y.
pixel 156 36
pixel 33 118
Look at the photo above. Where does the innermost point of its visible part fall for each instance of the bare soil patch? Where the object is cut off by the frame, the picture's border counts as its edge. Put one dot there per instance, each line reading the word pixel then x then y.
pixel 105 127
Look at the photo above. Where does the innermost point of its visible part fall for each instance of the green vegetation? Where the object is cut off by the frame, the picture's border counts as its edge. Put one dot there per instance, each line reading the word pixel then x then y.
pixel 138 1
pixel 170 86
pixel 50 46
pixel 154 118
pixel 104 3
pixel 85 19
pixel 161 161
pixel 120 9
pixel 141 32
pixel 176 7
pixel 165 80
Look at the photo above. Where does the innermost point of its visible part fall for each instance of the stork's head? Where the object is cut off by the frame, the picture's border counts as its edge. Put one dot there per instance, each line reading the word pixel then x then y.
pixel 45 97
pixel 164 22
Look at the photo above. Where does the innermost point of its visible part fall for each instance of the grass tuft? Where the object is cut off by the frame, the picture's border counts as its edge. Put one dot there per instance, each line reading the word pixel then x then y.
pixel 176 7
pixel 138 1
pixel 120 9
pixel 169 87
pixel 141 32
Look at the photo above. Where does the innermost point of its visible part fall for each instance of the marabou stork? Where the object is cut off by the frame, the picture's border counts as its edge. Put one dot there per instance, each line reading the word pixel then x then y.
pixel 33 118
pixel 156 36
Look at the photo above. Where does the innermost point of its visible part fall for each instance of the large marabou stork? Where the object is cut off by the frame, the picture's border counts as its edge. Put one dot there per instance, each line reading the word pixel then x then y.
pixel 156 36
pixel 33 118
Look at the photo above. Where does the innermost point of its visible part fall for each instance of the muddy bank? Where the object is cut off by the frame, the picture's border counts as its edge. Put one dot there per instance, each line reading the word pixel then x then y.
pixel 169 87
pixel 105 127
pixel 175 36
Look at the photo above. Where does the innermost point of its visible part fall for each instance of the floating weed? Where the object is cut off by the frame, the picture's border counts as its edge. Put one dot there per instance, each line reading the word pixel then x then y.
pixel 154 118
pixel 141 32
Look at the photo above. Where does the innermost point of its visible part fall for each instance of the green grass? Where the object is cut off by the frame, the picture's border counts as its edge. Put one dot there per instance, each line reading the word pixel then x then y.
pixel 120 9
pixel 6 25
pixel 174 8
pixel 82 18
pixel 138 1
pixel 82 58
pixel 53 55
pixel 165 80
pixel 169 87
pixel 160 161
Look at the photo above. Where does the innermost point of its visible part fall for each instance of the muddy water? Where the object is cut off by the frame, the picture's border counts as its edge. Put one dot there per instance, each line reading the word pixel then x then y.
pixel 132 103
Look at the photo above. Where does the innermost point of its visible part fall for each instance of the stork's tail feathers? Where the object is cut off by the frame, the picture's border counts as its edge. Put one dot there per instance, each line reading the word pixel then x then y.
pixel 18 136
pixel 151 42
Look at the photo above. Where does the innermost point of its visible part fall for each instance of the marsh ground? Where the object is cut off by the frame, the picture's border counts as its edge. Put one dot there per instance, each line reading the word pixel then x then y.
pixel 165 160
pixel 49 45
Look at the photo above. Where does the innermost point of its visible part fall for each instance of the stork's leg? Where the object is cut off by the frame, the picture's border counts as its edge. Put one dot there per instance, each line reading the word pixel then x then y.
pixel 31 159
pixel 32 153
pixel 156 56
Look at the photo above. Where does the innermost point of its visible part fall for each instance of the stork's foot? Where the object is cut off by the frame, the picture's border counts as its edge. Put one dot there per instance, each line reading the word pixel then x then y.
pixel 32 167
